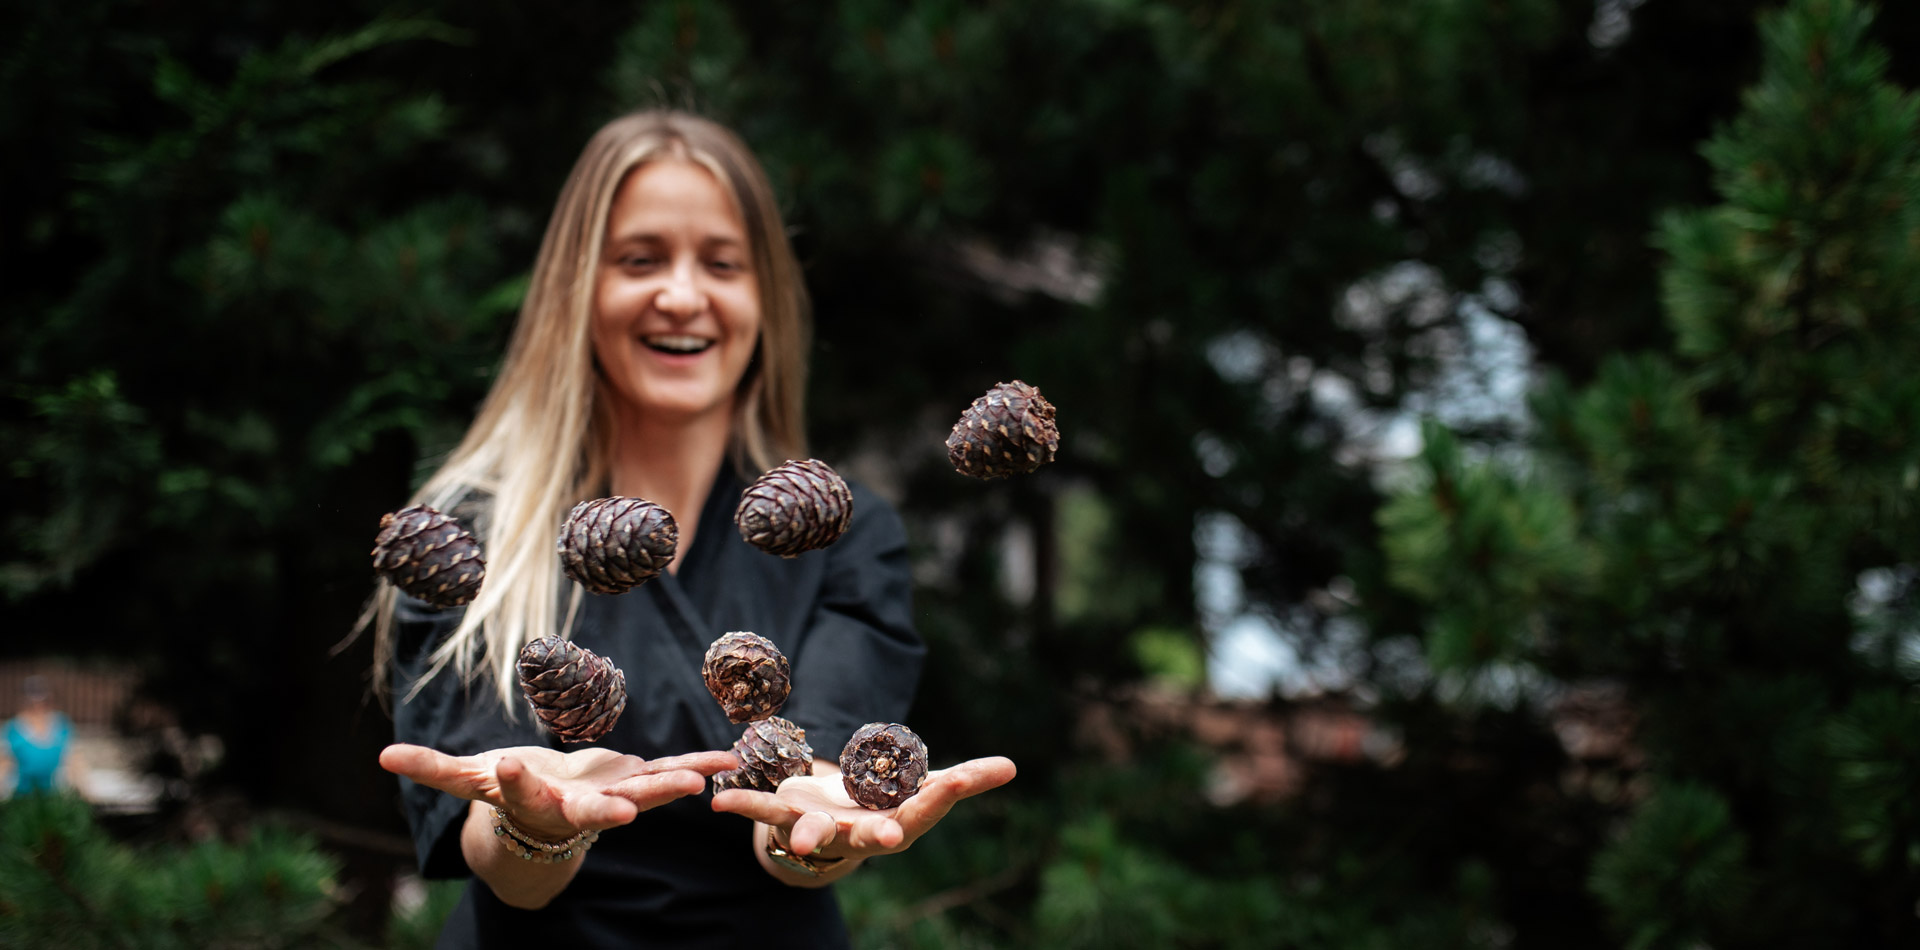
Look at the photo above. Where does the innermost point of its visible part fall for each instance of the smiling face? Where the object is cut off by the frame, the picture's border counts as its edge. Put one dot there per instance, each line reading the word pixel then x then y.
pixel 676 305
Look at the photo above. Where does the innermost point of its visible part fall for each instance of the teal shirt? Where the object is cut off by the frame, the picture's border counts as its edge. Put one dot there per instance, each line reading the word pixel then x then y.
pixel 35 764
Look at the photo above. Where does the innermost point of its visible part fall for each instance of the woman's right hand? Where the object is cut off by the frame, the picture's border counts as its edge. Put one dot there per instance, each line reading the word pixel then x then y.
pixel 553 795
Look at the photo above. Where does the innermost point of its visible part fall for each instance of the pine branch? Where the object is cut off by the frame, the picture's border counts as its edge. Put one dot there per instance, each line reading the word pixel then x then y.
pixel 956 897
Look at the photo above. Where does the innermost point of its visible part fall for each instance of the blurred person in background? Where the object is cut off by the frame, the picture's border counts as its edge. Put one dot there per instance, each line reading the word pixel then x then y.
pixel 660 354
pixel 40 751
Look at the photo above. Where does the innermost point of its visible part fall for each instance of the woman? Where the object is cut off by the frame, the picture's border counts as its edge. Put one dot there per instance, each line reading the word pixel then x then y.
pixel 40 745
pixel 660 354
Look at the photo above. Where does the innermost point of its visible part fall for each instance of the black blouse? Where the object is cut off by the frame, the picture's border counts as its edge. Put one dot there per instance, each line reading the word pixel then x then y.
pixel 680 875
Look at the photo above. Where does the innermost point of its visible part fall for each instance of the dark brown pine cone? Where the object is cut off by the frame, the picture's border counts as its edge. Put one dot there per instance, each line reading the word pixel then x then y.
pixel 771 751
pixel 748 675
pixel 795 507
pixel 576 693
pixel 1008 431
pixel 429 555
pixel 612 545
pixel 883 764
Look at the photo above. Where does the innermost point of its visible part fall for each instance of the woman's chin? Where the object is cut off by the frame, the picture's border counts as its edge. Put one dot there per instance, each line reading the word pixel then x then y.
pixel 677 405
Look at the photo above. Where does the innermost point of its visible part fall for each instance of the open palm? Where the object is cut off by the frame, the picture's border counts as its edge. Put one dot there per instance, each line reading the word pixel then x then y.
pixel 817 816
pixel 552 794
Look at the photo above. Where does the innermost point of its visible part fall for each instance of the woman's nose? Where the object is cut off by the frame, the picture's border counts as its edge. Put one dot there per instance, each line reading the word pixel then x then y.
pixel 681 297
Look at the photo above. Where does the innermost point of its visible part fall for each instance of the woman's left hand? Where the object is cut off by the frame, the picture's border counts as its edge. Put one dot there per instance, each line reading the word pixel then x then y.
pixel 817 816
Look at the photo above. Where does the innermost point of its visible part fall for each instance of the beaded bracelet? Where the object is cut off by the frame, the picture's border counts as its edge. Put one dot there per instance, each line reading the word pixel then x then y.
pixel 533 849
pixel 812 865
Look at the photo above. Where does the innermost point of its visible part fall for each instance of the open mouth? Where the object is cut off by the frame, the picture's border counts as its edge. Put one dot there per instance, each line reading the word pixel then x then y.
pixel 676 345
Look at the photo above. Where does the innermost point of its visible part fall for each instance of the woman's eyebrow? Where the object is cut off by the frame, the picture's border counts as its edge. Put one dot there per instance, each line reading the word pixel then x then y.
pixel 653 237
pixel 635 237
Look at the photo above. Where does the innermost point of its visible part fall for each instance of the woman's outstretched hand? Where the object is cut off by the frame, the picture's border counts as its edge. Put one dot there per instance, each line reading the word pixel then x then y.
pixel 815 815
pixel 553 795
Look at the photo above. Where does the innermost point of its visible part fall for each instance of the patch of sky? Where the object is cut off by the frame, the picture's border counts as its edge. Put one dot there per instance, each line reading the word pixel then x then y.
pixel 1482 371
pixel 1885 604
pixel 1612 22
pixel 1254 653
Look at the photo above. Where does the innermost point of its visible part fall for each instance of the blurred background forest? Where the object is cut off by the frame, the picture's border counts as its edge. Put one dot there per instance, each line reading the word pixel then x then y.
pixel 1486 513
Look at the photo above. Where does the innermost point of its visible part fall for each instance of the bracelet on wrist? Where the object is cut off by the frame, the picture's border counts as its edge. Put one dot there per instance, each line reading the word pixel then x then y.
pixel 811 865
pixel 529 848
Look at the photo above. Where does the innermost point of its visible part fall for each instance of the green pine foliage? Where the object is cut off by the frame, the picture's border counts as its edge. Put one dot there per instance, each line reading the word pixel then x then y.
pixel 1489 546
pixel 418 928
pixel 1705 523
pixel 65 883
pixel 1678 870
pixel 267 296
pixel 1875 742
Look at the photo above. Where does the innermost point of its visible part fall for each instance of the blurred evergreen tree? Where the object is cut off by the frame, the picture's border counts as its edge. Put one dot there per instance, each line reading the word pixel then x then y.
pixel 65 883
pixel 256 309
pixel 1727 527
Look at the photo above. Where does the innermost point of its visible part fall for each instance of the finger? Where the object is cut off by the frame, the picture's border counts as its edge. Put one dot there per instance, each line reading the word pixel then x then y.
pixel 944 788
pixel 875 833
pixel 600 812
pixel 522 792
pixel 705 763
pixel 651 791
pixel 812 831
pixel 435 769
pixel 542 809
pixel 531 802
pixel 762 807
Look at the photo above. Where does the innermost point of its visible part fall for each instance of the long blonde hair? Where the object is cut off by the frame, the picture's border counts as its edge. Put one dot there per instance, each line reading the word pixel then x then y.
pixel 541 440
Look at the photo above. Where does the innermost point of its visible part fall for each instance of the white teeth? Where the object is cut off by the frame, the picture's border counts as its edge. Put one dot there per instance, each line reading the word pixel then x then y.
pixel 677 344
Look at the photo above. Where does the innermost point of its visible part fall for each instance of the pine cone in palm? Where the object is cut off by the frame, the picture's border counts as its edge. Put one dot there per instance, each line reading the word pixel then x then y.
pixel 883 765
pixel 748 675
pixel 1008 431
pixel 771 751
pixel 429 555
pixel 612 545
pixel 795 507
pixel 575 692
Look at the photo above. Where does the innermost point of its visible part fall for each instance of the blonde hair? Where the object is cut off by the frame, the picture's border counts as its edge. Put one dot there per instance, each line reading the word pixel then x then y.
pixel 541 440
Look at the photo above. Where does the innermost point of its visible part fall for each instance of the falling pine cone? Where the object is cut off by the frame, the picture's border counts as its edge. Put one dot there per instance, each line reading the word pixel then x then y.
pixel 612 545
pixel 771 751
pixel 795 507
pixel 429 556
pixel 576 693
pixel 883 765
pixel 1008 431
pixel 748 675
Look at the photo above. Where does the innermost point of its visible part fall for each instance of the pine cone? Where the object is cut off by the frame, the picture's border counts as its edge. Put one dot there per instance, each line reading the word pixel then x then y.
pixel 576 693
pixel 1008 431
pixel 748 675
pixel 612 545
pixel 771 751
pixel 883 764
pixel 429 555
pixel 795 507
